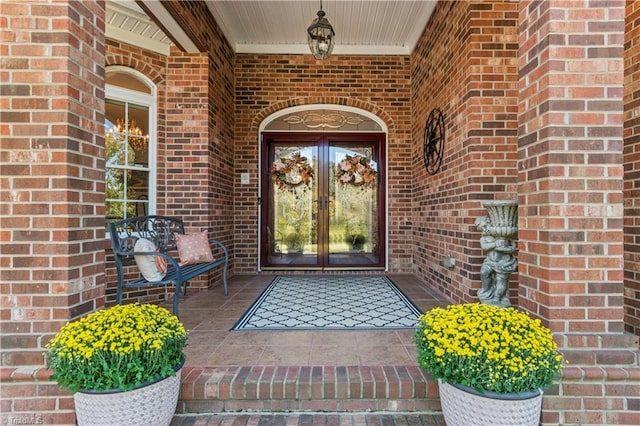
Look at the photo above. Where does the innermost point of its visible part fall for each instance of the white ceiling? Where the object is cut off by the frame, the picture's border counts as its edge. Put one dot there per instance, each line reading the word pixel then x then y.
pixel 381 27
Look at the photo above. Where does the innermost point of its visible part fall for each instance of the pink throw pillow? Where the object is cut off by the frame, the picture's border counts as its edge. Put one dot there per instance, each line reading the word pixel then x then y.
pixel 194 248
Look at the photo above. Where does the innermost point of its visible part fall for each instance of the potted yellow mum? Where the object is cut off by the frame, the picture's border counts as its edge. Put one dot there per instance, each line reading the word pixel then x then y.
pixel 483 355
pixel 122 363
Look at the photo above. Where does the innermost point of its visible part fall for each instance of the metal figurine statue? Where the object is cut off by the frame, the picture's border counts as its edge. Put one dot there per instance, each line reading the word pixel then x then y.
pixel 497 230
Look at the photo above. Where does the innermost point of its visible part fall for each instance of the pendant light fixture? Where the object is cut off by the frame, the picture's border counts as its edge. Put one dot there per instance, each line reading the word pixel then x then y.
pixel 320 35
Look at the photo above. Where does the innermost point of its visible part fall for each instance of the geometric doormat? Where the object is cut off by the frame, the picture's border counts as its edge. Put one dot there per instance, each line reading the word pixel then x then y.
pixel 330 303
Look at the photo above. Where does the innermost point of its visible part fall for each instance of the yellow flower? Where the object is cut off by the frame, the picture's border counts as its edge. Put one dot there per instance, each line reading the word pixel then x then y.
pixel 487 347
pixel 111 347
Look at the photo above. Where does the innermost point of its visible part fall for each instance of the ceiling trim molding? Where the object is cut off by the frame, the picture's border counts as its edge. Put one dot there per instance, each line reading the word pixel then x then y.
pixel 303 49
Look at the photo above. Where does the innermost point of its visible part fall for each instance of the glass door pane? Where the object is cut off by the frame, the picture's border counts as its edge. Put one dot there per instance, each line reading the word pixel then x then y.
pixel 323 202
pixel 353 205
pixel 292 227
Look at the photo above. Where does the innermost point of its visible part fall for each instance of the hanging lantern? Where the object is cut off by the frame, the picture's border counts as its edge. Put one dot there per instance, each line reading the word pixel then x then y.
pixel 320 35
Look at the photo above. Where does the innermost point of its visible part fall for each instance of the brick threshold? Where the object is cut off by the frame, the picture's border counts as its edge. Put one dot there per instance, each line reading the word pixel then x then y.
pixel 270 389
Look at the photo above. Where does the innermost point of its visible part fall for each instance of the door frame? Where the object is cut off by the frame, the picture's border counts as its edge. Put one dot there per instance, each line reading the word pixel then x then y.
pixel 324 142
pixel 314 107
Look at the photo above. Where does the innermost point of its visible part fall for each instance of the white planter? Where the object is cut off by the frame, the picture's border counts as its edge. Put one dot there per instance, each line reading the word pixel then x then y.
pixel 152 404
pixel 462 406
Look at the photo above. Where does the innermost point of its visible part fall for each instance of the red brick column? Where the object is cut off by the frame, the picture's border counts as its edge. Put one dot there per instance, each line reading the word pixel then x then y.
pixel 52 191
pixel 571 205
pixel 570 155
pixel 200 142
pixel 632 169
pixel 186 152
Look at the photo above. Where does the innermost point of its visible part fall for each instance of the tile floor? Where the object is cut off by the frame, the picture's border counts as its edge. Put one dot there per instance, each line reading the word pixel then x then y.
pixel 209 316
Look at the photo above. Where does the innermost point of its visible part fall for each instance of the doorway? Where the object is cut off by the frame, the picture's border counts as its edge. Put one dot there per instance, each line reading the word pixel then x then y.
pixel 323 201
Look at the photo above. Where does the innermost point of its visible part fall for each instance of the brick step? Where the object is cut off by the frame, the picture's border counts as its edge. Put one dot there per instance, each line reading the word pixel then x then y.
pixel 308 418
pixel 307 389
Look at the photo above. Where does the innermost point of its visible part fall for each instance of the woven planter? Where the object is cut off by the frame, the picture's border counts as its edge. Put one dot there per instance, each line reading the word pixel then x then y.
pixel 462 406
pixel 151 404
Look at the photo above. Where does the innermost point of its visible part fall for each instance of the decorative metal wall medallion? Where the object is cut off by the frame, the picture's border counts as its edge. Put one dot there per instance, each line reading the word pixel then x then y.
pixel 434 141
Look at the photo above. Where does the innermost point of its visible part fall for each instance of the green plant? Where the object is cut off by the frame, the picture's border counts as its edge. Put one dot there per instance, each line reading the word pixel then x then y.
pixel 117 348
pixel 294 241
pixel 487 348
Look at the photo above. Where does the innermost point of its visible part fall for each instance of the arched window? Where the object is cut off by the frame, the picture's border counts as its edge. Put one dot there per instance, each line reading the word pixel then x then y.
pixel 130 144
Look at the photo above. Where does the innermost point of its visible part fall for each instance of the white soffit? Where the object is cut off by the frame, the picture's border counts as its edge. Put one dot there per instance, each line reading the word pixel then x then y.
pixel 369 27
pixel 363 27
pixel 170 24
pixel 127 22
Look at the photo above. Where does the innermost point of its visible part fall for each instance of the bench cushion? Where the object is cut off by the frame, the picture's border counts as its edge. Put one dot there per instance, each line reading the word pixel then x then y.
pixel 146 262
pixel 194 248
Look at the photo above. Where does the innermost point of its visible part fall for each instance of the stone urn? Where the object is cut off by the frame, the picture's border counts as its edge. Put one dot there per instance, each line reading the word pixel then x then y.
pixel 503 217
pixel 498 227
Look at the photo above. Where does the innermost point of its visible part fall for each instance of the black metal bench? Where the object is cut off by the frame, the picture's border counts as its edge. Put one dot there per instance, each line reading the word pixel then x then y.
pixel 161 230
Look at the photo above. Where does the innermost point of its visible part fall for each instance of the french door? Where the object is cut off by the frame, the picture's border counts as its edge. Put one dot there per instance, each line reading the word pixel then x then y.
pixel 323 203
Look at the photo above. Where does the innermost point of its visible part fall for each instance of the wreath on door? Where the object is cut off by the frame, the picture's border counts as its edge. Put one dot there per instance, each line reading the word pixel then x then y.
pixel 291 172
pixel 356 170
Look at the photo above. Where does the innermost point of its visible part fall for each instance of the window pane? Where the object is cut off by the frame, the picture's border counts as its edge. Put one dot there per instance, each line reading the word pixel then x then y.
pixel 127 157
pixel 115 188
pixel 117 152
pixel 138 133
pixel 138 185
pixel 115 210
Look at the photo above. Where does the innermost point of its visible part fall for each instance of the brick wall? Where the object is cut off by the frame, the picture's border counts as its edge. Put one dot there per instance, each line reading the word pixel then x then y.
pixel 268 83
pixel 195 127
pixel 51 124
pixel 631 159
pixel 465 64
pixel 182 156
pixel 152 65
pixel 570 184
pixel 570 150
pixel 200 131
pixel 52 192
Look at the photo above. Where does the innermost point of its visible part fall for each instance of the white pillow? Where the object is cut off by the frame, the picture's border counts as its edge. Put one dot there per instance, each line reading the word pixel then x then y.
pixel 146 262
